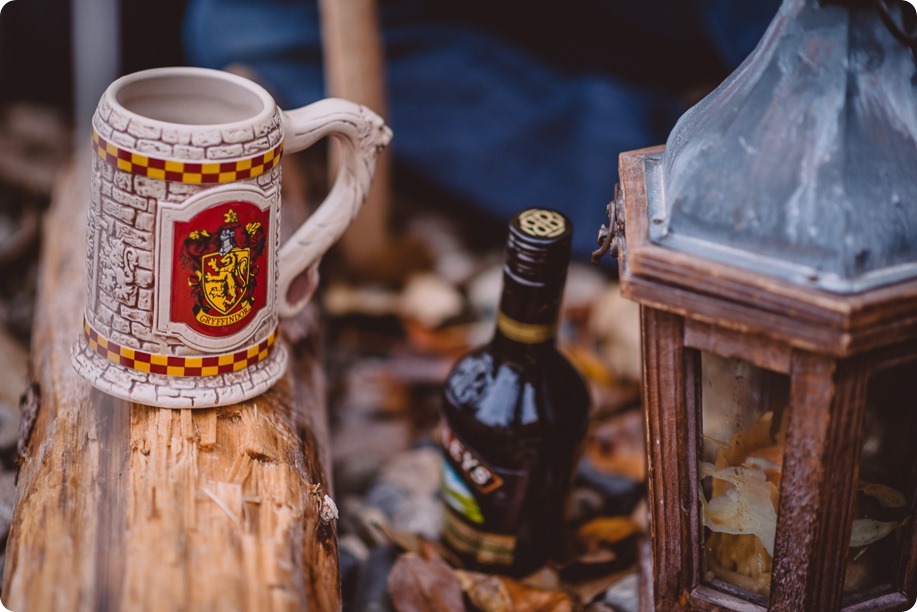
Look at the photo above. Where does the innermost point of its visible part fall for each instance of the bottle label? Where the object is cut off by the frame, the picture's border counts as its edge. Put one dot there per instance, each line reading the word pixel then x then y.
pixel 459 497
pixel 482 503
pixel 487 548
pixel 483 478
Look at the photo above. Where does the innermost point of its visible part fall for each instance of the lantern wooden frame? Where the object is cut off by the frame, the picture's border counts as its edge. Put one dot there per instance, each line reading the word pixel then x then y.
pixel 828 345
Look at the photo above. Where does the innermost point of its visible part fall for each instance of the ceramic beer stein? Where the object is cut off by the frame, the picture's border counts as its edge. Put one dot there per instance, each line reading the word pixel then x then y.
pixel 186 274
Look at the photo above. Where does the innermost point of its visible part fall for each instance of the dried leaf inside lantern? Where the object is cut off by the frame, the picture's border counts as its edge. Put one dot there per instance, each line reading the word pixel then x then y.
pixel 867 531
pixel 740 507
pixel 746 508
pixel 884 494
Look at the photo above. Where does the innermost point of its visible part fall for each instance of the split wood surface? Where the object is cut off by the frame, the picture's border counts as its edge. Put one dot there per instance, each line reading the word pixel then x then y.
pixel 127 507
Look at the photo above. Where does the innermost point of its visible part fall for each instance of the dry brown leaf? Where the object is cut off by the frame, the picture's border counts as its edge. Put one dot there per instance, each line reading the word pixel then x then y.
pixel 747 508
pixel 885 495
pixel 490 593
pixel 424 585
pixel 420 545
pixel 603 531
pixel 547 578
pixel 866 531
pixel 448 340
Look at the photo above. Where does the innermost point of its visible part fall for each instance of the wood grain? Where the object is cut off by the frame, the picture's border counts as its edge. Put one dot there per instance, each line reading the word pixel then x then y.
pixel 670 443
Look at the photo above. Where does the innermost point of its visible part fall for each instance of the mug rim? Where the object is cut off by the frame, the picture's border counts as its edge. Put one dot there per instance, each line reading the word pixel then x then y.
pixel 110 96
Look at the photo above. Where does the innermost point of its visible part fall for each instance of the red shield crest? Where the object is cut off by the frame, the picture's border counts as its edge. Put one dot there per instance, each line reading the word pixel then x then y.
pixel 219 273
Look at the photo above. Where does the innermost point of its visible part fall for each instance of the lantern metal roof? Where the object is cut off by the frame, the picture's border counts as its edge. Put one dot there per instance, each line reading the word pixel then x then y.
pixel 803 163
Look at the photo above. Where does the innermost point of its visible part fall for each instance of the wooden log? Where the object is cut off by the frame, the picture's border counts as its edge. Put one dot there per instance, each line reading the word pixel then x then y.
pixel 127 507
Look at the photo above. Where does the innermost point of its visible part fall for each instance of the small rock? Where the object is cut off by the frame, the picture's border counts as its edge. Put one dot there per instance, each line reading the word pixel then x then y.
pixel 624 595
pixel 386 497
pixel 421 514
pixel 417 471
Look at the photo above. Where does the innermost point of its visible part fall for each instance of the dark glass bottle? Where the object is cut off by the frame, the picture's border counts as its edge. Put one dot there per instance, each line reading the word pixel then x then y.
pixel 514 414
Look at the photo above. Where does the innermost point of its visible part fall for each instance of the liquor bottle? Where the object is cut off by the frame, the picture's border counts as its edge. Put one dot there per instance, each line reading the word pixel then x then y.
pixel 514 413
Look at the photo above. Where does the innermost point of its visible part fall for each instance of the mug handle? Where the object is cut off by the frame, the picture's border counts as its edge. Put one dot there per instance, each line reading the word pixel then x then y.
pixel 363 135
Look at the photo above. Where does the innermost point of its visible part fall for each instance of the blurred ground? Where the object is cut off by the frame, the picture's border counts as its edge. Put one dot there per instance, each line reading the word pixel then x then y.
pixel 388 347
pixel 34 142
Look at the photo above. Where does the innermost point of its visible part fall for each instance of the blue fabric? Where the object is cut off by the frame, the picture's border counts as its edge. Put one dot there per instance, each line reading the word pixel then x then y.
pixel 508 106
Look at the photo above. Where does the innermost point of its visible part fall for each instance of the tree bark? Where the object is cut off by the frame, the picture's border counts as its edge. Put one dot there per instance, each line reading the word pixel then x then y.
pixel 122 506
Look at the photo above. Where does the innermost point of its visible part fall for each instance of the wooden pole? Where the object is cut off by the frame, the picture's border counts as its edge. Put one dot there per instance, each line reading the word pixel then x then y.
pixel 355 70
pixel 127 507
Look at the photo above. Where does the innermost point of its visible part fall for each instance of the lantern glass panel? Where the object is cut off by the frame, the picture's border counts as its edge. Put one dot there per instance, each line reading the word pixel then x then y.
pixel 885 490
pixel 744 428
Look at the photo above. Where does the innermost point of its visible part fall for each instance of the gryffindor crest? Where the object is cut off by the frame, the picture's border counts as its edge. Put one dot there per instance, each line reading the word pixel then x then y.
pixel 225 273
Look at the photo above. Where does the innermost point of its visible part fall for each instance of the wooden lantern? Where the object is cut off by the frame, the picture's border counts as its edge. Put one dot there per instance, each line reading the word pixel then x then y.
pixel 772 245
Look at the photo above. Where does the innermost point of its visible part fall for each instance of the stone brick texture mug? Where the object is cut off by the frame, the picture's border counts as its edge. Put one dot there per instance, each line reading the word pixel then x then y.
pixel 187 278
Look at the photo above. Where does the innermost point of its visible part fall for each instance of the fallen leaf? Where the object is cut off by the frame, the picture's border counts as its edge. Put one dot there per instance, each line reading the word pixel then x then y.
pixel 491 593
pixel 448 340
pixel 603 531
pixel 885 495
pixel 867 531
pixel 547 578
pixel 422 585
pixel 745 509
pixel 419 545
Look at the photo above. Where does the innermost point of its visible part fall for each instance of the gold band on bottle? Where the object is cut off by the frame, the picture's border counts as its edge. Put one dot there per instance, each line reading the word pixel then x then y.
pixel 526 333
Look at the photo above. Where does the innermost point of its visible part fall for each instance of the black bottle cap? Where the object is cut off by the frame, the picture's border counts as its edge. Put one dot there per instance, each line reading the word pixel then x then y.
pixel 538 246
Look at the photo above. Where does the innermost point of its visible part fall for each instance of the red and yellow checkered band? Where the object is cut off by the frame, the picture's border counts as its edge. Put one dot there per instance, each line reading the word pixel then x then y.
pixel 171 365
pixel 197 173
